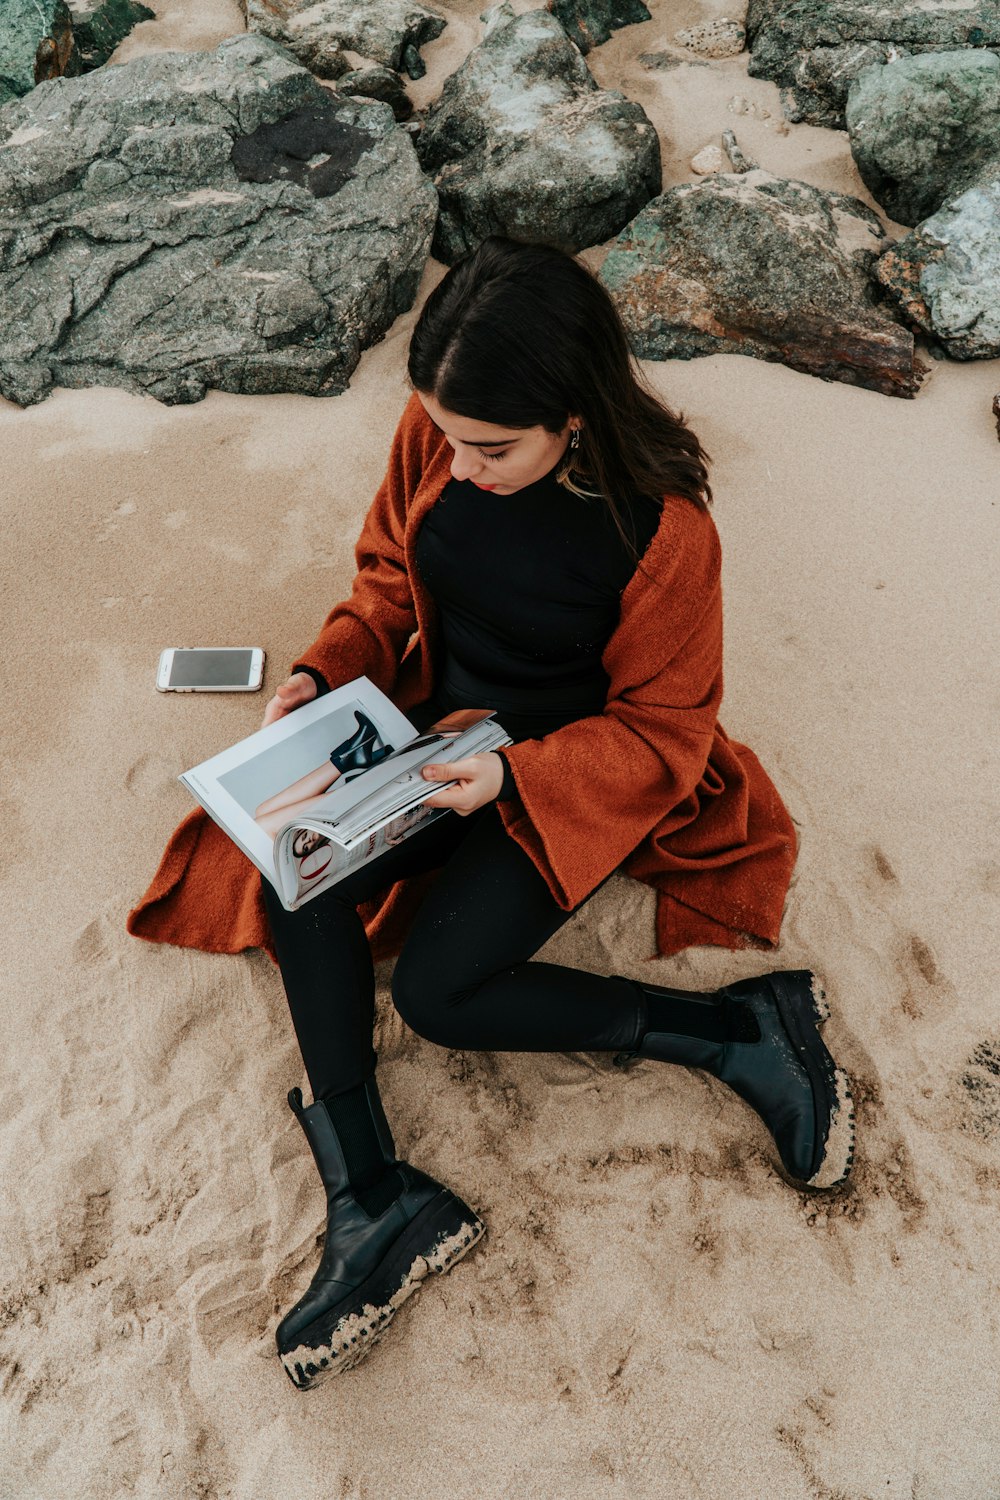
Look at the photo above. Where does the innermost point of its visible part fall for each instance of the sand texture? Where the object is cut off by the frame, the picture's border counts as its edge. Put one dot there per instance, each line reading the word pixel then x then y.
pixel 654 1311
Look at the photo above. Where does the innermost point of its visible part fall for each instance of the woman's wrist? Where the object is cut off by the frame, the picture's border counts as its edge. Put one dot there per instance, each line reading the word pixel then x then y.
pixel 508 787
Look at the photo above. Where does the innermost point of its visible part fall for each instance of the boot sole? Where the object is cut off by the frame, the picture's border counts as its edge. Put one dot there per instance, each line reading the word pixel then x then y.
pixel 347 1332
pixel 802 1005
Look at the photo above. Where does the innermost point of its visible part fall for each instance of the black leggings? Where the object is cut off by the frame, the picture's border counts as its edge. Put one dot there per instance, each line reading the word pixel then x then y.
pixel 463 977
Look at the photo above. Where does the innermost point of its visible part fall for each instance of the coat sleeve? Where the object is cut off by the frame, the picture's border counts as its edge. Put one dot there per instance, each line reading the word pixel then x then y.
pixel 589 792
pixel 366 634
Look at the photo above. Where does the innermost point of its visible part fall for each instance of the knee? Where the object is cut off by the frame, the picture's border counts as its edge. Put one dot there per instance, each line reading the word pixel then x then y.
pixel 424 1002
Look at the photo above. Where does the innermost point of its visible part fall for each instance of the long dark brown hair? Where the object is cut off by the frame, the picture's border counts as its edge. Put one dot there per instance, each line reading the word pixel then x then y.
pixel 525 335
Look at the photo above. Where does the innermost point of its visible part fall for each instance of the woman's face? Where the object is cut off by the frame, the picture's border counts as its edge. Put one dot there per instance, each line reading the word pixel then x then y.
pixel 504 459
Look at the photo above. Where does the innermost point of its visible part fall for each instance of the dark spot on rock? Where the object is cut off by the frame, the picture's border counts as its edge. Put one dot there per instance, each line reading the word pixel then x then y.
pixel 311 147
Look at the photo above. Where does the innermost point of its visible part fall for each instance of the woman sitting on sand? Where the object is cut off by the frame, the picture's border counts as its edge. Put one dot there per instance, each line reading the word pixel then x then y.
pixel 575 570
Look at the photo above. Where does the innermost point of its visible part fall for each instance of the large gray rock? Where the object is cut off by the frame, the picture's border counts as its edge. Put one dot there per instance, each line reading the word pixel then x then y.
pixel 749 263
pixel 814 48
pixel 590 22
pixel 523 142
pixel 945 274
pixel 924 128
pixel 43 39
pixel 390 32
pixel 206 219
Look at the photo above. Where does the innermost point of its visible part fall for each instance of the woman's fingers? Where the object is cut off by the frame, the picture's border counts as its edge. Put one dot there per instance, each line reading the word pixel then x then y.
pixel 292 693
pixel 475 779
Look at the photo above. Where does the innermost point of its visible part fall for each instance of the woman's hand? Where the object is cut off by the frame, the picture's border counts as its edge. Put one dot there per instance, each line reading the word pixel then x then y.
pixel 300 688
pixel 479 778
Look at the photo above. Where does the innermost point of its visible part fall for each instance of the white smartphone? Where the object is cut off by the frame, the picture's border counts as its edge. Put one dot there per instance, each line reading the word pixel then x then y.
pixel 210 669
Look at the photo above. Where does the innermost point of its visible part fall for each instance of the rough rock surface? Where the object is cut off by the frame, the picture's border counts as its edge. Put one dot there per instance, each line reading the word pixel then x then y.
pixel 924 128
pixel 36 42
pixel 749 263
pixel 720 38
pixel 204 219
pixel 665 62
pixel 945 274
pixel 708 160
pixel 814 48
pixel 378 83
pixel 738 158
pixel 99 25
pixel 43 39
pixel 390 32
pixel 523 142
pixel 590 22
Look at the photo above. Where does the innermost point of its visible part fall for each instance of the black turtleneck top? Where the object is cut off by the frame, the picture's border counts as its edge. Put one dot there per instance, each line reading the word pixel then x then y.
pixel 528 589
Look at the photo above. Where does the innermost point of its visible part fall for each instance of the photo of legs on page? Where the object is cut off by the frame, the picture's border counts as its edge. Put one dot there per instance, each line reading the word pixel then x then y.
pixel 303 796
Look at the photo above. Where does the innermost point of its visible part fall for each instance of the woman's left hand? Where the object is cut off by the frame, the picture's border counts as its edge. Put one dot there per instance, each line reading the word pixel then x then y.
pixel 479 779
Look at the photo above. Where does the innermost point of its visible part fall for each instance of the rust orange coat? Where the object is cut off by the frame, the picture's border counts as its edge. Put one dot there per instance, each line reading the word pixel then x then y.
pixel 652 784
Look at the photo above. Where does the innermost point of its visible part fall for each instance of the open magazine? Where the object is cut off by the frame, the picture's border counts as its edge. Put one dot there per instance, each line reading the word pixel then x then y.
pixel 333 784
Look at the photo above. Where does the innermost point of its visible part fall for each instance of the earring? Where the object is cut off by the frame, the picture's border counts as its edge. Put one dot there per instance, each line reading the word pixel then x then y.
pixel 574 441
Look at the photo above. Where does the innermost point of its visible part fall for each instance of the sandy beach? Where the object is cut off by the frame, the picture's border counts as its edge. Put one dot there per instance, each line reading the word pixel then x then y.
pixel 654 1312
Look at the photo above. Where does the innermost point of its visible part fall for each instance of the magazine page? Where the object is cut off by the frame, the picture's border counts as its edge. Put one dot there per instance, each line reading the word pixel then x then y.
pixel 434 743
pixel 345 795
pixel 312 853
pixel 253 788
pixel 408 787
pixel 308 862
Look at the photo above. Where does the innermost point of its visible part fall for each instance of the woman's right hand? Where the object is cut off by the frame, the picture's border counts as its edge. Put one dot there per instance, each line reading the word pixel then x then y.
pixel 300 688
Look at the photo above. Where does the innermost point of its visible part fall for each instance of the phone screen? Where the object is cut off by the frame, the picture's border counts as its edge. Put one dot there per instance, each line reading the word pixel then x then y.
pixel 210 668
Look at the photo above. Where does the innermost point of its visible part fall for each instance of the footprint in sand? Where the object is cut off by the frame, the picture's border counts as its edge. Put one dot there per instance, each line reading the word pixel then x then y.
pixel 812 1420
pixel 922 955
pixel 491 1094
pixel 96 943
pixel 11 1102
pixel 81 1234
pixel 883 869
pixel 916 962
pixel 234 1307
pixel 14 828
pixel 149 775
pixel 707 1245
pixel 113 520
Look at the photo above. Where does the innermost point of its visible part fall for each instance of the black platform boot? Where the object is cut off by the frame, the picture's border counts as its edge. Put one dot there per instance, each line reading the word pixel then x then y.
pixel 363 749
pixel 375 1254
pixel 761 1037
